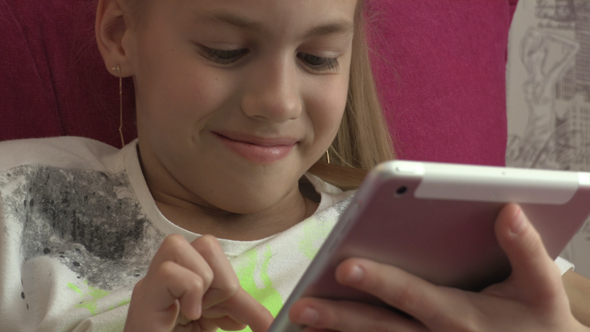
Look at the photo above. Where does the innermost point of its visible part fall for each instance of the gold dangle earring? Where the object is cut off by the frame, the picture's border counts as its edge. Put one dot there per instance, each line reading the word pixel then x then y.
pixel 117 68
pixel 328 155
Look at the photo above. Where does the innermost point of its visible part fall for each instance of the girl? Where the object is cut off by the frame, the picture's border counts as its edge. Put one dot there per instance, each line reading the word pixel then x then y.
pixel 236 103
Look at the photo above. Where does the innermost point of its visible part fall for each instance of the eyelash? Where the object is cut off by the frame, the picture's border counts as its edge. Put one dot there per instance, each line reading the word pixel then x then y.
pixel 324 65
pixel 223 57
pixel 228 57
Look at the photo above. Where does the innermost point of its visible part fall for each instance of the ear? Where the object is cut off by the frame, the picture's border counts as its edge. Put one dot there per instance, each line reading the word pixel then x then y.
pixel 112 26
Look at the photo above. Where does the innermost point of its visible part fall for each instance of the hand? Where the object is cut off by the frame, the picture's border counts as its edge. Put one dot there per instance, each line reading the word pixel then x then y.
pixel 577 288
pixel 531 299
pixel 197 281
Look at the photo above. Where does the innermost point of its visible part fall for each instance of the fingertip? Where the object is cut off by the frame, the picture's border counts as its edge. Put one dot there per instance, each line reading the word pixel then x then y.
pixel 510 223
pixel 298 309
pixel 518 221
pixel 206 240
pixel 531 265
pixel 307 316
pixel 511 231
pixel 191 311
pixel 350 272
pixel 263 324
pixel 243 308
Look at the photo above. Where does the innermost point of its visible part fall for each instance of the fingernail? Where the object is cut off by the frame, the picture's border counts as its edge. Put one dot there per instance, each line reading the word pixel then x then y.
pixel 308 316
pixel 355 275
pixel 518 223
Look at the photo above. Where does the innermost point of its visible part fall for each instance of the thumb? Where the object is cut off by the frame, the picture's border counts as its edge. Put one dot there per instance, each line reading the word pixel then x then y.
pixel 533 272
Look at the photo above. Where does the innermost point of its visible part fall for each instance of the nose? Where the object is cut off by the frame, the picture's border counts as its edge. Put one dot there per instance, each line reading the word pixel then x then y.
pixel 272 92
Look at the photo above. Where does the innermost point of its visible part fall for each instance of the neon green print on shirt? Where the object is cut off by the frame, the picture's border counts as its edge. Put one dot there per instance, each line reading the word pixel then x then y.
pixel 90 299
pixel 314 235
pixel 267 295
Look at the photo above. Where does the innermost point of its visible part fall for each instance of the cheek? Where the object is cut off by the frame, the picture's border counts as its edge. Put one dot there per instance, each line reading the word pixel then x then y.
pixel 326 108
pixel 181 96
pixel 173 88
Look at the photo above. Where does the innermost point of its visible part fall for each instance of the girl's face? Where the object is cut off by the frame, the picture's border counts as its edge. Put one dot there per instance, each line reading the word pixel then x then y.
pixel 236 99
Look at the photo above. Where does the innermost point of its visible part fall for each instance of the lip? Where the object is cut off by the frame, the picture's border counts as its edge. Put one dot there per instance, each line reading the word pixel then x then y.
pixel 264 150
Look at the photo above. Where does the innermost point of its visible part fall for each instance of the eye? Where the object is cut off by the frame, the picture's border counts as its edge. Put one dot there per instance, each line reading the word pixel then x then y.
pixel 319 64
pixel 224 57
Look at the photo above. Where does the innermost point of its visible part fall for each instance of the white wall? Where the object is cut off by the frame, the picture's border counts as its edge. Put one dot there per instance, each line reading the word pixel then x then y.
pixel 548 96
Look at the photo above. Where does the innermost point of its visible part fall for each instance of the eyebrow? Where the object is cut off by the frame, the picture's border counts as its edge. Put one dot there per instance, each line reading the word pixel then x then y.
pixel 343 28
pixel 340 27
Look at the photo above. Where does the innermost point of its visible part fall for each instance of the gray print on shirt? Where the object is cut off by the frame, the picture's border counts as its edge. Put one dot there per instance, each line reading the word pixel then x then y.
pixel 89 220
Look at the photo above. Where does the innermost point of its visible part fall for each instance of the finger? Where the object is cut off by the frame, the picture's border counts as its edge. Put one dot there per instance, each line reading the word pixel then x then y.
pixel 320 315
pixel 179 284
pixel 217 316
pixel 189 327
pixel 532 268
pixel 243 308
pixel 157 320
pixel 225 282
pixel 177 249
pixel 430 304
pixel 224 323
pixel 172 288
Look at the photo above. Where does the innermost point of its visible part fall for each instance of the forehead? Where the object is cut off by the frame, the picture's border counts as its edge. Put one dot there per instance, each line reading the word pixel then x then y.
pixel 272 15
pixel 324 6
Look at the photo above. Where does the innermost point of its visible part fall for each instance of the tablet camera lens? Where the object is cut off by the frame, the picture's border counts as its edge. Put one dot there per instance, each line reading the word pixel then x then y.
pixel 401 190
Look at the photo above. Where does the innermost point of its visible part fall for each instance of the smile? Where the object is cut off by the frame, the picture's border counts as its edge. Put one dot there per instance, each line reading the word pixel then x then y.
pixel 257 149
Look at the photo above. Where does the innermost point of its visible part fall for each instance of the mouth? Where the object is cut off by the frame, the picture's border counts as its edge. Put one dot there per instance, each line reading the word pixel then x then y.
pixel 263 150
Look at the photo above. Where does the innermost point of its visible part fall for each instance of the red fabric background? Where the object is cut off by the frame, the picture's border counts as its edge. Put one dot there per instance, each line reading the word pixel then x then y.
pixel 441 72
pixel 53 80
pixel 440 68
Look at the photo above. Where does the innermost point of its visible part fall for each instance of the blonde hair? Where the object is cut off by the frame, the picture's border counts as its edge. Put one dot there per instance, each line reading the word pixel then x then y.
pixel 363 139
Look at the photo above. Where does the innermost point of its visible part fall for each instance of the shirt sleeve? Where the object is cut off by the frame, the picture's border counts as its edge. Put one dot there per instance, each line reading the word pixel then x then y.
pixel 563 265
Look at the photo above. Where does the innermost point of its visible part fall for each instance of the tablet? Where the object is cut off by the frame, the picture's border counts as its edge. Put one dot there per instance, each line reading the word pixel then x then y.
pixel 436 221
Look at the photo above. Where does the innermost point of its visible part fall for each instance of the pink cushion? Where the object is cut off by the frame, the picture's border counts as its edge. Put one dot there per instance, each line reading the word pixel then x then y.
pixel 440 71
pixel 56 82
